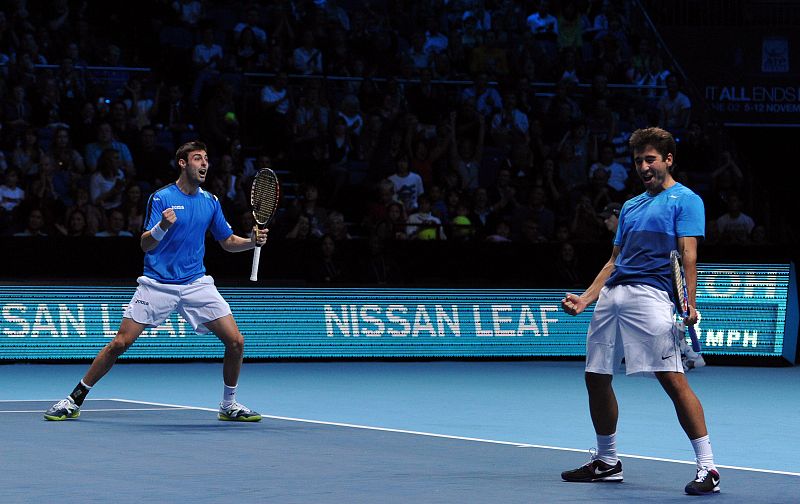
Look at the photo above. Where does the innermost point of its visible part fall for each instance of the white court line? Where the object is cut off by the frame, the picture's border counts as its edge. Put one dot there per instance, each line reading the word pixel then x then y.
pixel 87 400
pixel 100 409
pixel 160 408
pixel 37 400
pixel 149 403
pixel 167 407
pixel 463 438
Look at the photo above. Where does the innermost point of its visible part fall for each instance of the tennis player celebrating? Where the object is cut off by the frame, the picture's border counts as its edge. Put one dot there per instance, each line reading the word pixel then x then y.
pixel 176 222
pixel 634 310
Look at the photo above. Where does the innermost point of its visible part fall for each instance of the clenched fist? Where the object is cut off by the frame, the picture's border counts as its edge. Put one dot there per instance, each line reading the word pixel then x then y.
pixel 573 304
pixel 168 218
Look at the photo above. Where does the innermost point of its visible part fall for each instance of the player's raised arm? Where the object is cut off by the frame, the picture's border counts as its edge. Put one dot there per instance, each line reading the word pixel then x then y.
pixel 151 238
pixel 574 304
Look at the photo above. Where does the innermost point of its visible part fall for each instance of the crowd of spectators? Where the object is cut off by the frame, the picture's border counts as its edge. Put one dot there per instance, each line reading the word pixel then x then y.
pixel 466 120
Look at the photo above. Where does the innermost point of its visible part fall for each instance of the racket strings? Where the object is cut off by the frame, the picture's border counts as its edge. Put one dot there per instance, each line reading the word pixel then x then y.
pixel 264 197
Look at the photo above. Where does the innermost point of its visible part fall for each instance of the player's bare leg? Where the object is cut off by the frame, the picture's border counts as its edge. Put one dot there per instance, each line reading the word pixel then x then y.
pixel 227 331
pixel 602 403
pixel 70 407
pixel 693 420
pixel 687 405
pixel 604 464
pixel 128 332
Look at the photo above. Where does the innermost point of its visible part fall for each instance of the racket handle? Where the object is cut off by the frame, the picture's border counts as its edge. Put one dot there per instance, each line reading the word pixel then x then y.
pixel 254 269
pixel 693 337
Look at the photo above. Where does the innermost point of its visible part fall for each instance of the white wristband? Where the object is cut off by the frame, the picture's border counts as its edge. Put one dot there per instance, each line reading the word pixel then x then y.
pixel 157 233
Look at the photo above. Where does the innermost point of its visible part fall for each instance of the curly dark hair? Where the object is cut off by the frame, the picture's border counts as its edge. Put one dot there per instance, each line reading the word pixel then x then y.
pixel 184 150
pixel 661 140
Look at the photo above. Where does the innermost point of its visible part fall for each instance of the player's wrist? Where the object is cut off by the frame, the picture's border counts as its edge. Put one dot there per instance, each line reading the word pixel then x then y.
pixel 157 232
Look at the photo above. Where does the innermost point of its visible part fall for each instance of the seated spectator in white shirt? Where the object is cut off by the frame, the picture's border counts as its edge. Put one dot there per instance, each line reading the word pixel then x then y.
pixel 116 225
pixel 416 52
pixel 11 195
pixel 487 99
pixel 107 183
pixel 407 185
pixel 617 174
pixel 435 41
pixel 189 11
pixel 351 113
pixel 541 21
pixel 674 107
pixel 735 226
pixel 251 21
pixel 207 55
pixel 36 225
pixel 275 97
pixel 509 124
pixel 422 224
pixel 105 140
pixel 307 59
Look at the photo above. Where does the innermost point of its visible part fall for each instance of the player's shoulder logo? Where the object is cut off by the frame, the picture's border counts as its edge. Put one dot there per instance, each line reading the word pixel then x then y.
pixel 159 193
pixel 208 195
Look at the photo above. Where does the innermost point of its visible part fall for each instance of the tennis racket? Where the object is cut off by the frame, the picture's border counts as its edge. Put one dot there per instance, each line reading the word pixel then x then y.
pixel 264 197
pixel 681 296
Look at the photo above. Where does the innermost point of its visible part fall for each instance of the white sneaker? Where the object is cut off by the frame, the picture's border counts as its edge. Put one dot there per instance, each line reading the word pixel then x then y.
pixel 238 413
pixel 65 409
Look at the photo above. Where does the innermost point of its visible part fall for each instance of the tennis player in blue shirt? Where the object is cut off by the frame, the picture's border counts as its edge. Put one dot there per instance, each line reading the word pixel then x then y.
pixel 634 316
pixel 177 219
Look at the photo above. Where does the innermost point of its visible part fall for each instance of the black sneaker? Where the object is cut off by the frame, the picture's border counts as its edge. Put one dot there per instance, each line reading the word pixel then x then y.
pixel 595 470
pixel 705 483
pixel 65 409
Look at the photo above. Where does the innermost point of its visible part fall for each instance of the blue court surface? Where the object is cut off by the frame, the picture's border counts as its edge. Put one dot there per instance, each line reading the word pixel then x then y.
pixel 439 432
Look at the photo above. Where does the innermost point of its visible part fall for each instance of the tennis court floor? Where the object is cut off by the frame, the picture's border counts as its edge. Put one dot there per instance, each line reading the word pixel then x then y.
pixel 145 451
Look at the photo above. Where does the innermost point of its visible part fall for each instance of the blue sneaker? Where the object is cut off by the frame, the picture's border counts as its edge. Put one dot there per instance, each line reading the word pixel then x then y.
pixel 65 409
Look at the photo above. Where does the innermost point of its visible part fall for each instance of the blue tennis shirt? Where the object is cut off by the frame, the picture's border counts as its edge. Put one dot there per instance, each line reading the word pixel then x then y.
pixel 649 228
pixel 178 258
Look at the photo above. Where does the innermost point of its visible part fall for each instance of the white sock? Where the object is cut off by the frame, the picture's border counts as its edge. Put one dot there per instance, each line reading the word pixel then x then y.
pixel 607 448
pixel 702 453
pixel 229 395
pixel 87 386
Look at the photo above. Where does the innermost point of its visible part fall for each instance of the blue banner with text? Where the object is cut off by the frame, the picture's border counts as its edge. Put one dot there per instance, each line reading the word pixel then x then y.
pixel 743 312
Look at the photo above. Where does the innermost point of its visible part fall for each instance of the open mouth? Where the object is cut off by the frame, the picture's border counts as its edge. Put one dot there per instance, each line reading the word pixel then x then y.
pixel 202 173
pixel 646 177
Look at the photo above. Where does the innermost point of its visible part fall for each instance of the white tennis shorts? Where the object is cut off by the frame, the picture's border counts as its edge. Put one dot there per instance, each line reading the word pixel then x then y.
pixel 198 302
pixel 635 322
